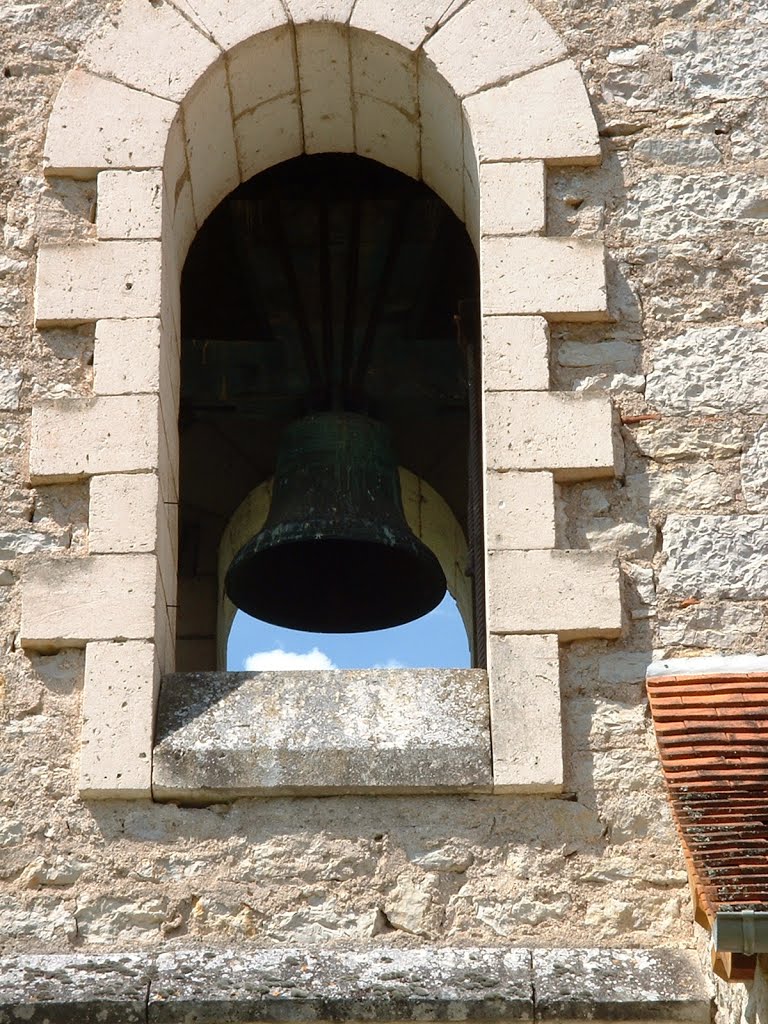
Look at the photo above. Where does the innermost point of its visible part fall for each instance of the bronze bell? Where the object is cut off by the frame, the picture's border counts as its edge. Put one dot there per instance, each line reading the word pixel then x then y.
pixel 335 554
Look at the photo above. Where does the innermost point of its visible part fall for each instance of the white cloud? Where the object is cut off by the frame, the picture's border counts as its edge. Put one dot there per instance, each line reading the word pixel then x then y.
pixel 392 663
pixel 279 660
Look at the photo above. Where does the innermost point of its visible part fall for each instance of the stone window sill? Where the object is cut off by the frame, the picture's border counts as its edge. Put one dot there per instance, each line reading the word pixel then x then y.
pixel 227 735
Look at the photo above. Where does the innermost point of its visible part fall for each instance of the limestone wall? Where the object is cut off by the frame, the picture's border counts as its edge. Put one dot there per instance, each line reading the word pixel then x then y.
pixel 681 201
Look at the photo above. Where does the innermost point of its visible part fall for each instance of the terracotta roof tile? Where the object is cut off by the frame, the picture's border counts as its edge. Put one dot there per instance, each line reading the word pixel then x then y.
pixel 712 735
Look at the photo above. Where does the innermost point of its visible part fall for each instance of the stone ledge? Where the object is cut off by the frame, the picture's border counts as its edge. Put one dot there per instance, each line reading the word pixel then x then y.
pixel 227 735
pixel 620 984
pixel 219 985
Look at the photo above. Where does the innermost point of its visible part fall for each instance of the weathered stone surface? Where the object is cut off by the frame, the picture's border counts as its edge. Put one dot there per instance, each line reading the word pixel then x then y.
pixel 571 593
pixel 376 985
pixel 68 602
pixel 520 510
pixel 552 119
pixel 223 735
pixel 515 353
pixel 525 870
pixel 571 435
pixel 669 441
pixel 716 557
pixel 694 487
pixel 690 374
pixel 722 65
pixel 686 152
pixel 673 206
pixel 10 389
pixel 78 988
pixel 619 355
pixel 620 984
pixel 723 626
pixel 525 714
pixel 474 983
pixel 754 473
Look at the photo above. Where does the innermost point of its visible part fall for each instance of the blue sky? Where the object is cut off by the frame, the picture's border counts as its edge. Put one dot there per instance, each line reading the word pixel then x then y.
pixel 436 640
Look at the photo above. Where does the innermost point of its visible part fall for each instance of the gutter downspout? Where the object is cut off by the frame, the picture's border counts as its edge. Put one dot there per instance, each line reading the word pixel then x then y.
pixel 741 931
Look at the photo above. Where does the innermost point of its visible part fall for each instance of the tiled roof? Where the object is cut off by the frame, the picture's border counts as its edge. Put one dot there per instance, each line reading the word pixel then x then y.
pixel 712 733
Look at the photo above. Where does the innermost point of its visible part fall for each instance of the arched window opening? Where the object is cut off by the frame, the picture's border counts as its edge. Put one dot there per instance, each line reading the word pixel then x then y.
pixel 436 640
pixel 328 286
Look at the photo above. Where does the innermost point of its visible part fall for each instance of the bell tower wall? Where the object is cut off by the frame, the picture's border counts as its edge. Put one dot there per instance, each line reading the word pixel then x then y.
pixel 609 167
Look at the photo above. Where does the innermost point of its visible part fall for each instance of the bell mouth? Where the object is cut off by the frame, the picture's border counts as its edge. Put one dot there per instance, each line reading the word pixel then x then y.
pixel 335 585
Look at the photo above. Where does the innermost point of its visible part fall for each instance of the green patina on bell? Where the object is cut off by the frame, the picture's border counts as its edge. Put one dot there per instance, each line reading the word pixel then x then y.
pixel 336 554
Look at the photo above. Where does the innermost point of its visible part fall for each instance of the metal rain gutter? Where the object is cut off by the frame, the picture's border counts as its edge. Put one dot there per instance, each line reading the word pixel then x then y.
pixel 741 931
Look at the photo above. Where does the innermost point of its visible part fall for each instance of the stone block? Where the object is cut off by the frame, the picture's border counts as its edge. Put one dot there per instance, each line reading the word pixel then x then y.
pixel 179 221
pixel 520 511
pixel 477 983
pixel 127 514
pixel 211 151
pixel 123 513
pixel 130 204
pixel 165 639
pixel 326 88
pixel 408 25
pixel 232 21
pixel 690 374
pixel 515 353
pixel 664 441
pixel 513 198
pixel 77 438
pixel 384 133
pixel 301 11
pixel 526 734
pixel 168 457
pixel 722 65
pixel 376 985
pixel 560 278
pixel 383 71
pixel 127 357
pixel 98 123
pixel 11 379
pixel 471 182
pixel 268 135
pixel 682 152
pixel 75 987
pixel 262 69
pixel 544 115
pixel 620 984
pixel 67 602
pixel 442 144
pixel 754 472
pixel 151 48
pixel 227 735
pixel 618 355
pixel 472 52
pixel 89 281
pixel 566 433
pixel 572 593
pixel 684 207
pixel 715 557
pixel 119 694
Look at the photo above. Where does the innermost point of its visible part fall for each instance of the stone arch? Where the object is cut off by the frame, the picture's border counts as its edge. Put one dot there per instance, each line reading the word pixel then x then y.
pixel 170 107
